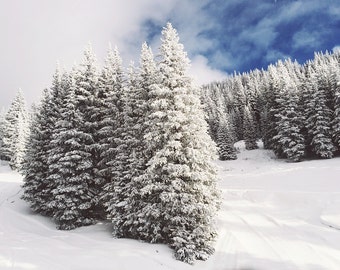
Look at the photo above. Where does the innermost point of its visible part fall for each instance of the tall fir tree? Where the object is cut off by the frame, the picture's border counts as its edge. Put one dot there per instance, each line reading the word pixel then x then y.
pixel 125 160
pixel 289 139
pixel 132 156
pixel 249 130
pixel 19 148
pixel 38 173
pixel 15 132
pixel 225 141
pixel 111 129
pixel 36 187
pixel 336 119
pixel 289 127
pixel 308 85
pixel 86 100
pixel 2 126
pixel 179 185
pixel 238 106
pixel 71 166
pixel 2 123
pixel 318 121
pixel 271 93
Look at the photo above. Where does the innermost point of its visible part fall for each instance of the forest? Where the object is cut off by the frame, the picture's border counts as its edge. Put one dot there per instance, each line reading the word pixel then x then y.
pixel 293 108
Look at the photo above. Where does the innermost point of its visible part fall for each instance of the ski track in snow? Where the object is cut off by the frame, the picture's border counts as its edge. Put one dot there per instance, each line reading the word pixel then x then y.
pixel 274 215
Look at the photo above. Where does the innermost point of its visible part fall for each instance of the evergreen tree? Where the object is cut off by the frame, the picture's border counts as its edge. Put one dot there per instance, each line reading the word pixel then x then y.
pixel 71 167
pixel 289 139
pixel 308 85
pixel 179 195
pixel 225 142
pixel 87 103
pixel 318 118
pixel 36 187
pixel 2 126
pixel 335 79
pixel 111 130
pixel 336 119
pixel 271 93
pixel 289 128
pixel 38 182
pixel 125 161
pixel 15 132
pixel 126 197
pixel 238 106
pixel 19 148
pixel 249 130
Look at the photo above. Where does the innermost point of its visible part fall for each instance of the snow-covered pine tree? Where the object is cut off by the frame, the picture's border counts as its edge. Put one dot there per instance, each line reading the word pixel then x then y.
pixel 126 199
pixel 239 101
pixel 324 67
pixel 318 120
pixel 225 141
pixel 249 130
pixel 335 81
pixel 269 111
pixel 289 127
pixel 87 103
pixel 308 85
pixel 36 187
pixel 22 129
pixel 70 167
pixel 336 119
pixel 111 128
pixel 253 90
pixel 86 93
pixel 211 116
pixel 118 189
pixel 2 126
pixel 289 139
pixel 179 195
pixel 15 131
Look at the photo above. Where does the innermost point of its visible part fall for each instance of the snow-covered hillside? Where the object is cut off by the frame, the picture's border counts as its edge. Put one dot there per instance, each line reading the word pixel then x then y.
pixel 275 215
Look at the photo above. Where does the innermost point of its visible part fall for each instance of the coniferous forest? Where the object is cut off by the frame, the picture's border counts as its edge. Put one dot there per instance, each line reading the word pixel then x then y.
pixel 293 108
pixel 136 147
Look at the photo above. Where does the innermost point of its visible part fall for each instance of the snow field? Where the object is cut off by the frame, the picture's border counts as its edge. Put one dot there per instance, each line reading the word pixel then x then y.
pixel 274 215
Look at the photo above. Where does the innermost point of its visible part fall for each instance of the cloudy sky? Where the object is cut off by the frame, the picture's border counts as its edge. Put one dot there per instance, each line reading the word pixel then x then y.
pixel 220 36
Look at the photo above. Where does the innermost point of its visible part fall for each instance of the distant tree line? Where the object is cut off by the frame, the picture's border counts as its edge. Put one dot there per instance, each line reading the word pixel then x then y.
pixel 131 147
pixel 293 108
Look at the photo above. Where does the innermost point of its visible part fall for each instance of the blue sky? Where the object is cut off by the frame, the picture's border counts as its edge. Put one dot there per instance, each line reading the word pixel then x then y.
pixel 220 36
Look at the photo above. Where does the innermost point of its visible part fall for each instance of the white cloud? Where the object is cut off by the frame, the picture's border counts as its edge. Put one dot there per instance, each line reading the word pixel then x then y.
pixel 273 55
pixel 336 49
pixel 203 73
pixel 38 33
pixel 306 39
pixel 262 34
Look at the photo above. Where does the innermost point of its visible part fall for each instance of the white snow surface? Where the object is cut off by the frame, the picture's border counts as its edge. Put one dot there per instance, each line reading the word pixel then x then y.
pixel 274 215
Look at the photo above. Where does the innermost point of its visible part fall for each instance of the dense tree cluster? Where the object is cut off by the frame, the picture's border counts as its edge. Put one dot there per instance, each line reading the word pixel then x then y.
pixel 293 108
pixel 132 147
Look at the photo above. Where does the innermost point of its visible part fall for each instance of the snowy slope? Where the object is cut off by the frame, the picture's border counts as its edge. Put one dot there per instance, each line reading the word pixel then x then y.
pixel 275 215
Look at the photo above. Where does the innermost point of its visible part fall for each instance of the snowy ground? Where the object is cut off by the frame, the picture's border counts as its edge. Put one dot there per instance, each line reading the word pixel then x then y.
pixel 275 215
